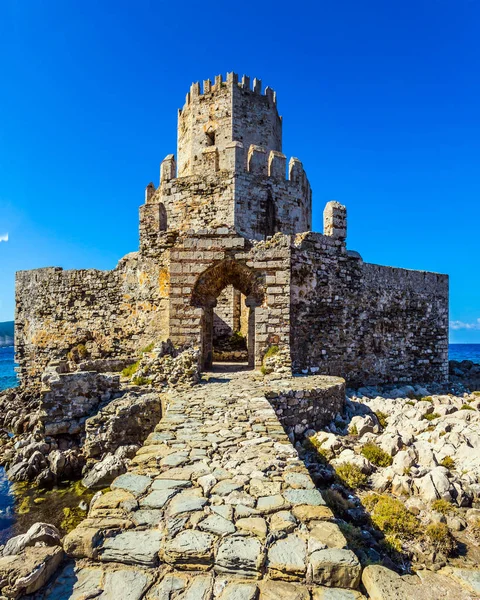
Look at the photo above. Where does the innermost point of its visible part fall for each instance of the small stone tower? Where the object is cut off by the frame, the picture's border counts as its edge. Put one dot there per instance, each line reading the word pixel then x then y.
pixel 231 170
pixel 226 112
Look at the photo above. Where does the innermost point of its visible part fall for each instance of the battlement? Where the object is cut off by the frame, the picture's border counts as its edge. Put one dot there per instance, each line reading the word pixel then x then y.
pixel 232 79
pixel 256 161
pixel 226 112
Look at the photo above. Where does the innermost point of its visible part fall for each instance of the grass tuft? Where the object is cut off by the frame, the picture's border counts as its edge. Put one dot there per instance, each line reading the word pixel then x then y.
pixel 382 418
pixel 351 476
pixel 443 506
pixel 391 517
pixel 430 416
pixel 130 369
pixel 448 462
pixel 376 455
pixel 440 539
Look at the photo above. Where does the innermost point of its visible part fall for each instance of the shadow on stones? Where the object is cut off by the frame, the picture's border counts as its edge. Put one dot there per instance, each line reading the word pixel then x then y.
pixel 363 537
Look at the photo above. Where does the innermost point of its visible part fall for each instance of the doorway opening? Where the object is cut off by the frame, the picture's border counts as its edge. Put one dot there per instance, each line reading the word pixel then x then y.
pixel 229 294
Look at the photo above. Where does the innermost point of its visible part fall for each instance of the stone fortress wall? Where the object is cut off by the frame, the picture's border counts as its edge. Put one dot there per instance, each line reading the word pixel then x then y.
pixel 229 216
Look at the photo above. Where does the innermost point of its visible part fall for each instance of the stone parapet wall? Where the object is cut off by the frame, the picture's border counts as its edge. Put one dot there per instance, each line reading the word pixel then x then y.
pixel 304 403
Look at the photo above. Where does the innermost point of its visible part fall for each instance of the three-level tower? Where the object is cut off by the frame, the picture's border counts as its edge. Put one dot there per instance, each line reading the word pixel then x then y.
pixel 230 170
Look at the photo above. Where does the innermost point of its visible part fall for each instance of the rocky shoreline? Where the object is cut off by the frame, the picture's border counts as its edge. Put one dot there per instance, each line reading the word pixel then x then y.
pixel 399 468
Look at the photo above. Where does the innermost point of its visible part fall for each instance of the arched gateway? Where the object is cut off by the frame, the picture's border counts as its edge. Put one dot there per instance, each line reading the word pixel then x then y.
pixel 208 288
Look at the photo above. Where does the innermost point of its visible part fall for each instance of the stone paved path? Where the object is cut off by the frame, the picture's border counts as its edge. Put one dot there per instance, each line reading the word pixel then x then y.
pixel 216 504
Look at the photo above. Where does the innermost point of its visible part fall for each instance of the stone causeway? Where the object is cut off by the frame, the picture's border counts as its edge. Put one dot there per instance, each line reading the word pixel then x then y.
pixel 216 504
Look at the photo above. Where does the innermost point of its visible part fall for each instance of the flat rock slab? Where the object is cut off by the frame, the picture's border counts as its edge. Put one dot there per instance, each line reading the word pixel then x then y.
pixel 287 558
pixel 311 497
pixel 239 591
pixel 157 498
pixel 187 501
pixel 132 547
pixel 127 584
pixel 136 484
pixel 75 584
pixel 336 567
pixel 190 547
pixel 468 578
pixel 240 555
pixel 383 584
pixel 336 594
pixel 218 525
pixel 280 590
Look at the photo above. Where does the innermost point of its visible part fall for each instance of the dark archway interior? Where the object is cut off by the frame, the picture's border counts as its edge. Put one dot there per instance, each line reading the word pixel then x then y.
pixel 228 293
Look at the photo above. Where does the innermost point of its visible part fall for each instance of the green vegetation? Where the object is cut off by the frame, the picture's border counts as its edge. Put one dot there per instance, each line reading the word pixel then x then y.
pixel 353 535
pixel 272 350
pixel 312 444
pixel 410 402
pixel 71 518
pixel 392 518
pixel 131 369
pixel 443 506
pixel 439 538
pixel 448 462
pixel 376 455
pixel 78 353
pixel 353 430
pixel 426 399
pixel 148 348
pixel 382 418
pixel 466 407
pixel 140 380
pixel 351 476
pixel 430 416
pixel 476 393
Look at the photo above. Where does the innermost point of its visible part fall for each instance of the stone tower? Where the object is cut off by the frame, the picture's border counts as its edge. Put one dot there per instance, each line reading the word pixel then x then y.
pixel 228 264
pixel 231 170
pixel 226 112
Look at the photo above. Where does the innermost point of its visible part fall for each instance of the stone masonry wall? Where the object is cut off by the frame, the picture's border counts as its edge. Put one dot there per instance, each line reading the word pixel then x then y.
pixel 111 313
pixel 258 203
pixel 226 111
pixel 202 265
pixel 367 323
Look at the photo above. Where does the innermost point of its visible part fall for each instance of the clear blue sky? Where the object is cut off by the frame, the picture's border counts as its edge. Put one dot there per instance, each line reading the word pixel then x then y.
pixel 380 101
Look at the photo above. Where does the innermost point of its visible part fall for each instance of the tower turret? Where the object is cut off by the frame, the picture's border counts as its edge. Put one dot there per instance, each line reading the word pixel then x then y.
pixel 227 111
pixel 230 170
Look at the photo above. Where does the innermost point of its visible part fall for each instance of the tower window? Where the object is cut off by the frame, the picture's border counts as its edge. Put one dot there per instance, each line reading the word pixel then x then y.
pixel 210 137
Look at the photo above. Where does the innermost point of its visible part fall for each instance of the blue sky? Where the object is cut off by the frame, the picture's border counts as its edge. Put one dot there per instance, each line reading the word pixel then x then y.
pixel 379 99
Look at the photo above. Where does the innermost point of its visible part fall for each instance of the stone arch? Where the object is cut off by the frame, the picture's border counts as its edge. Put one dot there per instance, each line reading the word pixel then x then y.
pixel 208 287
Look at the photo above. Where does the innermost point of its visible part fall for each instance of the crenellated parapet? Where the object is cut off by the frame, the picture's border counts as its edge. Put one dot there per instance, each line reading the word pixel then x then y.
pixel 225 111
pixel 232 79
pixel 255 193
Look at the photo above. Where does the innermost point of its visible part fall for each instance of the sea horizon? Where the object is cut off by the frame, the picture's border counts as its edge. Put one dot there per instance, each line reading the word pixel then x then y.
pixel 8 377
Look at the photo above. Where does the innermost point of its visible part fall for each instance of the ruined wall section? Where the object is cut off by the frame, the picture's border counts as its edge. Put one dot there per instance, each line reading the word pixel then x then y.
pixel 110 313
pixel 367 323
